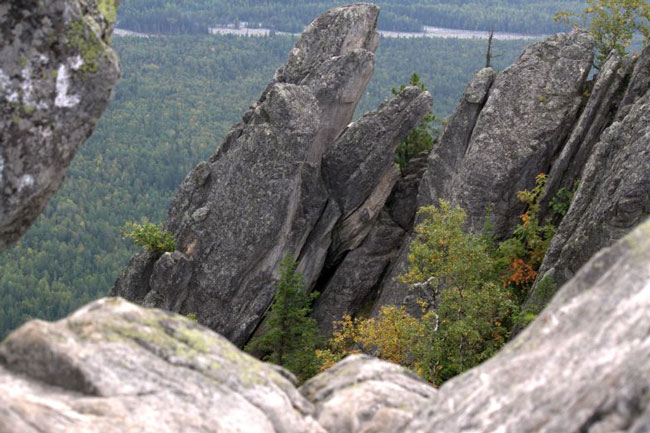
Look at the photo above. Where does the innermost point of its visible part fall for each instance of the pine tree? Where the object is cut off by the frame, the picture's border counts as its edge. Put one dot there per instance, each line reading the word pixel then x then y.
pixel 291 335
pixel 421 138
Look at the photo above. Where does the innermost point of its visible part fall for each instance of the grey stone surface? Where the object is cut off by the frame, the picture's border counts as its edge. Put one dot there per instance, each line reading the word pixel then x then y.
pixel 598 113
pixel 261 195
pixel 363 395
pixel 613 197
pixel 115 367
pixel 446 156
pixel 57 71
pixel 531 109
pixel 582 366
pixel 354 282
pixel 434 184
pixel 294 177
pixel 506 129
pixel 639 83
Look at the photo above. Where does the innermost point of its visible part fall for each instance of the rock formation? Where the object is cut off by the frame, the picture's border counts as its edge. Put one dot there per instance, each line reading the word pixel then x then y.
pixel 582 366
pixel 56 75
pixel 599 139
pixel 614 193
pixel 294 177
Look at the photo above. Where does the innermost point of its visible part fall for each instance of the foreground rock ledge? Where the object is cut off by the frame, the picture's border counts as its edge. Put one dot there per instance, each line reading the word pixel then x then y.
pixel 582 366
pixel 116 367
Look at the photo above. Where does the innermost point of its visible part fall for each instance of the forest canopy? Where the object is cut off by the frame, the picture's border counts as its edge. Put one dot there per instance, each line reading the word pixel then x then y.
pixel 172 17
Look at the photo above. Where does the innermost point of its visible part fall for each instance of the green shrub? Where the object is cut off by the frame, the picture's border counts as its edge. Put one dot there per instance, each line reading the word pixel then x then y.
pixel 150 236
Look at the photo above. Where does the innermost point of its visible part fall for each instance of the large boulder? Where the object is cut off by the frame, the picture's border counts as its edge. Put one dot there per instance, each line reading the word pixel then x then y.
pixel 294 177
pixel 57 72
pixel 582 366
pixel 115 367
pixel 364 394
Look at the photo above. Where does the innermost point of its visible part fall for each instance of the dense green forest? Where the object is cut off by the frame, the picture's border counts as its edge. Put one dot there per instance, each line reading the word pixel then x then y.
pixel 177 98
pixel 172 17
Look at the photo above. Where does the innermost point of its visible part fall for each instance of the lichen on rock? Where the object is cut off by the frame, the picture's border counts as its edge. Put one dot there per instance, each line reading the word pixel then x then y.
pixel 57 72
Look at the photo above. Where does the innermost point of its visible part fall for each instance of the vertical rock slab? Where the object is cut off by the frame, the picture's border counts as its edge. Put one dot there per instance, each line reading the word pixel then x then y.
pixel 639 83
pixel 57 72
pixel 355 281
pixel 581 366
pixel 446 156
pixel 261 195
pixel 115 367
pixel 359 170
pixel 613 197
pixel 434 183
pixel 530 111
pixel 598 113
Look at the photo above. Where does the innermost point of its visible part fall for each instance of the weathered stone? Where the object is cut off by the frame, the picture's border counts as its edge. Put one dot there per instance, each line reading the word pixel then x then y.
pixel 613 197
pixel 530 111
pixel 639 83
pixel 116 367
pixel 599 112
pixel 582 366
pixel 57 72
pixel 261 195
pixel 402 203
pixel 447 154
pixel 441 166
pixel 358 169
pixel 364 394
pixel 353 284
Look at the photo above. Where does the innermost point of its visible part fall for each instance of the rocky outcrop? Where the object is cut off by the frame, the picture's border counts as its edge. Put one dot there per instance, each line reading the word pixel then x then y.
pixel 613 195
pixel 446 156
pixel 598 113
pixel 582 366
pixel 530 110
pixel 294 177
pixel 56 75
pixel 433 184
pixel 115 367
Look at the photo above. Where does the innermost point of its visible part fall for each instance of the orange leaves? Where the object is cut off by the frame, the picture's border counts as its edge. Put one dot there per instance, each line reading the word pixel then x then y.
pixel 521 273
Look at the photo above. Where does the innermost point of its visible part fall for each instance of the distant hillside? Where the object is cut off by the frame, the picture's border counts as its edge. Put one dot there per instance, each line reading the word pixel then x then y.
pixel 176 17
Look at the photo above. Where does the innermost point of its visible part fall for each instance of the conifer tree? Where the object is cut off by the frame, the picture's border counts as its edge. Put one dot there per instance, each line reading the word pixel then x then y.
pixel 291 335
pixel 422 137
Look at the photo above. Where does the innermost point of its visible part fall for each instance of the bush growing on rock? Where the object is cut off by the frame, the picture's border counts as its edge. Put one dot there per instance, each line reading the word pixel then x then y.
pixel 612 23
pixel 149 235
pixel 422 137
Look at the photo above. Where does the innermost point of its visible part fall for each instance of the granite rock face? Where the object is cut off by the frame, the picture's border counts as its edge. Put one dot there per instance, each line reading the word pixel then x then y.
pixel 613 196
pixel 582 366
pixel 294 177
pixel 57 72
pixel 530 110
pixel 115 367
